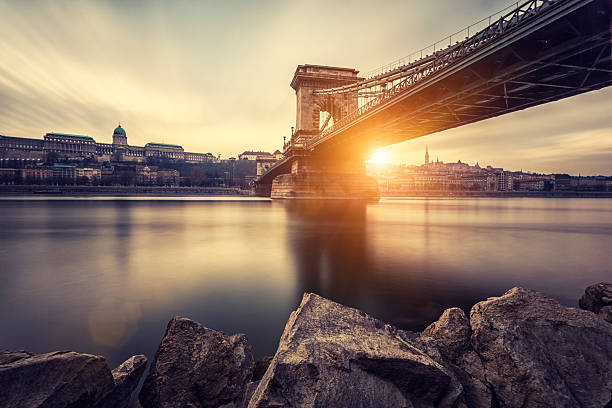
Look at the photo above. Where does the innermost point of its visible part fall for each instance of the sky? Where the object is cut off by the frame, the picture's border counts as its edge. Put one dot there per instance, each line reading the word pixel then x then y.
pixel 214 76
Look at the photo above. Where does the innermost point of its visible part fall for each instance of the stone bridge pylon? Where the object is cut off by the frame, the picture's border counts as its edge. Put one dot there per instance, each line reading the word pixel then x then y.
pixel 306 80
pixel 335 172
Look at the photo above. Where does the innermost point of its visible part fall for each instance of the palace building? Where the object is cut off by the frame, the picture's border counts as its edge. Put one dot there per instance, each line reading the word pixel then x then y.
pixel 21 148
pixel 165 151
pixel 69 146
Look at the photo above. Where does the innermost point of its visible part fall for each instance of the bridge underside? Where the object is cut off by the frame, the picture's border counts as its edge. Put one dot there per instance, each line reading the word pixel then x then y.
pixel 563 59
pixel 534 64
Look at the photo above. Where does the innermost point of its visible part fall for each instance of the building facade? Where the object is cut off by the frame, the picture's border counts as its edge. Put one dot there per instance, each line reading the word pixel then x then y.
pixel 37 174
pixel 21 148
pixel 91 174
pixel 164 151
pixel 251 155
pixel 264 160
pixel 69 146
pixel 80 147
pixel 199 157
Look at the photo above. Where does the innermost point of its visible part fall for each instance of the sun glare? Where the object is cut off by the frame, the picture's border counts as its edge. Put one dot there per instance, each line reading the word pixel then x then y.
pixel 380 157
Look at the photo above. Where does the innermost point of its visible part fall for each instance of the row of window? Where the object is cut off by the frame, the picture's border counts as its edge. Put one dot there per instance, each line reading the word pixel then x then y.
pixel 21 146
pixel 158 153
pixel 69 140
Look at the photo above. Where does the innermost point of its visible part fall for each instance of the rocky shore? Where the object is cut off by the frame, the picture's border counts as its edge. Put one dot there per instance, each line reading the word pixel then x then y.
pixel 522 349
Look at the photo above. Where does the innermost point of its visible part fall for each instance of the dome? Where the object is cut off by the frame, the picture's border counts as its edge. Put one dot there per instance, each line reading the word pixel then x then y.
pixel 119 131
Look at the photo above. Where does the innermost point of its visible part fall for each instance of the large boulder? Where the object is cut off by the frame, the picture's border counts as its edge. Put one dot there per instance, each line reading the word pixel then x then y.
pixel 126 378
pixel 260 367
pixel 452 331
pixel 248 393
pixel 337 356
pixel 451 335
pixel 538 353
pixel 197 367
pixel 598 299
pixel 53 380
pixel 606 313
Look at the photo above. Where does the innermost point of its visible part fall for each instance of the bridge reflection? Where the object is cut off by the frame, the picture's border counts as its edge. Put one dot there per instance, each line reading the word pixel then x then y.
pixel 337 256
pixel 329 244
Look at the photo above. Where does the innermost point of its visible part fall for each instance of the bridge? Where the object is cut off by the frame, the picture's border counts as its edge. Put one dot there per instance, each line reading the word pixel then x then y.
pixel 528 54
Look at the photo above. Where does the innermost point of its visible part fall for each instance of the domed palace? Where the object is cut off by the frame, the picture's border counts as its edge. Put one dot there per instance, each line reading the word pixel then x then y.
pixel 78 147
pixel 119 137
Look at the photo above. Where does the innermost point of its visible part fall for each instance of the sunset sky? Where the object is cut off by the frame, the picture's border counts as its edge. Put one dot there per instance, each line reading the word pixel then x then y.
pixel 214 76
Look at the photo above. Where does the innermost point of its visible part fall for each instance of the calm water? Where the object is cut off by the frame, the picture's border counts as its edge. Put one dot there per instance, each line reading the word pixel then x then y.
pixel 104 275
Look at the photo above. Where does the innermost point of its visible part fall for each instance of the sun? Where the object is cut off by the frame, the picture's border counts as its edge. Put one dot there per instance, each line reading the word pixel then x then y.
pixel 380 157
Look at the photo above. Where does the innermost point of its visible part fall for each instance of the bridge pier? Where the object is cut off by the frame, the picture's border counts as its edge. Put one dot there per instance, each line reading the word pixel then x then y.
pixel 306 173
pixel 262 190
pixel 316 178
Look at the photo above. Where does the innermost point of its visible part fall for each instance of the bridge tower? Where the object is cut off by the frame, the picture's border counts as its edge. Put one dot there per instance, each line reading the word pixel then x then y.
pixel 306 79
pixel 337 173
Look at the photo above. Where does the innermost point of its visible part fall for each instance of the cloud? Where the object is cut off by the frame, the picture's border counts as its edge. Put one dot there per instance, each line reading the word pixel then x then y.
pixel 573 135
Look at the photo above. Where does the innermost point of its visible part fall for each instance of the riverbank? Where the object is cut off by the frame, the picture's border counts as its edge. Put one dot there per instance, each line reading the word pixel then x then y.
pixel 145 191
pixel 522 349
pixel 122 190
pixel 498 194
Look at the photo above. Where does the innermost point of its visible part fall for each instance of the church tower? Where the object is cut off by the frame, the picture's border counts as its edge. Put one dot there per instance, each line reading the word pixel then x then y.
pixel 426 156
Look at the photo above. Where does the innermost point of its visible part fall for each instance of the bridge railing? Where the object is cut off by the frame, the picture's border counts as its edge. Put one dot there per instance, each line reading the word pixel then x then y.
pixel 445 42
pixel 410 74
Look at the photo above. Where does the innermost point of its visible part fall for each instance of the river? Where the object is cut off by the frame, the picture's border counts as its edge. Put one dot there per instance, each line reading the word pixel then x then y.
pixel 103 275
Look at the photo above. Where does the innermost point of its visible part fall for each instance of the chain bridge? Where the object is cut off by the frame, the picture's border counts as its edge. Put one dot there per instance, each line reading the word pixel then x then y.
pixel 528 54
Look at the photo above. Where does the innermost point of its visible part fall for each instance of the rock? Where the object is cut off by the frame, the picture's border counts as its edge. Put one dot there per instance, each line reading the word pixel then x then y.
pixel 197 367
pixel 537 353
pixel 606 313
pixel 451 334
pixel 333 355
pixel 58 379
pixel 129 371
pixel 469 369
pixel 66 379
pixel 260 367
pixel 248 393
pixel 596 296
pixel 126 378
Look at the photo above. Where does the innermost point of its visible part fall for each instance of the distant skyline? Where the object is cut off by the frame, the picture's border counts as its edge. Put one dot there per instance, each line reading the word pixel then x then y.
pixel 214 76
pixel 376 165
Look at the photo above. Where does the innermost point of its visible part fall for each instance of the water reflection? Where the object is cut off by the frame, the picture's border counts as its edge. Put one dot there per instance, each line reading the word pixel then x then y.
pixel 328 243
pixel 114 319
pixel 406 261
pixel 105 275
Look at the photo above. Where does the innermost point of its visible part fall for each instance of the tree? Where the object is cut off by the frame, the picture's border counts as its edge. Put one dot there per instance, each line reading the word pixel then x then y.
pixel 51 158
pixel 197 176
